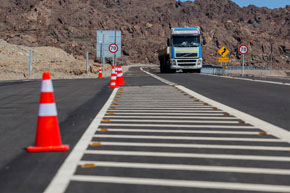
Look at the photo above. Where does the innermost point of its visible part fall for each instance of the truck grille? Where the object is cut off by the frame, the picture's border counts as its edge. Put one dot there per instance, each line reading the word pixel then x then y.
pixel 186 55
pixel 186 62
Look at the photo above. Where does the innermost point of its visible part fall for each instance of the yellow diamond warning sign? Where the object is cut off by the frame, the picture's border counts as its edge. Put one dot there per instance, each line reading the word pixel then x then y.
pixel 223 51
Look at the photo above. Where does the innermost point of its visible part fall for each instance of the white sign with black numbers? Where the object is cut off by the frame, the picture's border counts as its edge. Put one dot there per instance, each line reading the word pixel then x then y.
pixel 113 48
pixel 243 49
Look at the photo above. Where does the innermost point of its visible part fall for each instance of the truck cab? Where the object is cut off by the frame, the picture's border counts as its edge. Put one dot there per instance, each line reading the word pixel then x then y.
pixel 183 51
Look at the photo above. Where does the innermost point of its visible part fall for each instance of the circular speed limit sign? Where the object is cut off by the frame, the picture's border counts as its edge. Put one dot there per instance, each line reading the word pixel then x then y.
pixel 113 48
pixel 243 49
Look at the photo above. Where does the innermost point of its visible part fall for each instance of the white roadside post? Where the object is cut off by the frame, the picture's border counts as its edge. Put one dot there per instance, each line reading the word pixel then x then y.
pixel 243 49
pixel 30 62
pixel 87 63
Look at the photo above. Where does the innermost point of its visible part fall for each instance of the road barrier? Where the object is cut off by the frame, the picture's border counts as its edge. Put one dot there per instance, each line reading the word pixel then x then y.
pixel 47 135
pixel 120 78
pixel 113 82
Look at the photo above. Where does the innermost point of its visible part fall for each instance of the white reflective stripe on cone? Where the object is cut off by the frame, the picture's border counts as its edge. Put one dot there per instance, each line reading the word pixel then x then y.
pixel 113 83
pixel 46 86
pixel 114 78
pixel 119 75
pixel 48 109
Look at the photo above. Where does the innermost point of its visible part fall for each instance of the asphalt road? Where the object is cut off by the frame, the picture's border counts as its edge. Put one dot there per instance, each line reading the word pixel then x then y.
pixel 78 101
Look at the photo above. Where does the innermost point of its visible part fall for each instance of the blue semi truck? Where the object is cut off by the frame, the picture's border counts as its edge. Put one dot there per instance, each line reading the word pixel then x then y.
pixel 183 51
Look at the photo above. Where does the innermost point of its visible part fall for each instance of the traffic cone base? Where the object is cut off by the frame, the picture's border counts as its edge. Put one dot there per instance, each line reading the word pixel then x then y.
pixel 113 86
pixel 48 148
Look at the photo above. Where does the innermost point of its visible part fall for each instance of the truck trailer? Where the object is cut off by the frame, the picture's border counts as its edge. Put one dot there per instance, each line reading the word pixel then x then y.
pixel 183 51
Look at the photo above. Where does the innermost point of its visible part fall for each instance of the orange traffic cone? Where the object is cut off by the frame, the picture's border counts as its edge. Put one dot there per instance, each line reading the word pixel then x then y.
pixel 47 134
pixel 120 79
pixel 100 72
pixel 113 83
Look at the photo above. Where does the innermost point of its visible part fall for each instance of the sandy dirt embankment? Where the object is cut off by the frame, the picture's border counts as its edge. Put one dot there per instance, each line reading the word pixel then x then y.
pixel 14 63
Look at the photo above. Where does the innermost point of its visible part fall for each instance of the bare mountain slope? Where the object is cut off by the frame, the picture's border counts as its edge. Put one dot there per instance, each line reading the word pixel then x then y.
pixel 145 24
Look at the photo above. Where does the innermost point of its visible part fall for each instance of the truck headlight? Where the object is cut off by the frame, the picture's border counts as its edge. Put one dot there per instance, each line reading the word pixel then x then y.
pixel 173 62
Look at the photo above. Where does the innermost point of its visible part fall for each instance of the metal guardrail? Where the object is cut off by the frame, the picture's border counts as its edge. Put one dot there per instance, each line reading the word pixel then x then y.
pixel 212 70
pixel 247 68
pixel 218 70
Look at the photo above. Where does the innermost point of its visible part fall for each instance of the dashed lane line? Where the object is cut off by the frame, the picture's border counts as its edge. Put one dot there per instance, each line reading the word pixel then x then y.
pixel 205 146
pixel 183 183
pixel 249 170
pixel 189 155
pixel 189 138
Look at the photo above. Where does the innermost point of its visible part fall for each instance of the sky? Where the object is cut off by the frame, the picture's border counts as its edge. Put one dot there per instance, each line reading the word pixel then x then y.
pixel 262 3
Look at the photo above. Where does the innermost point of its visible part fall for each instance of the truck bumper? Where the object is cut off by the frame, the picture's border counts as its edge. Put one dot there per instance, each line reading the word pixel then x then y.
pixel 186 63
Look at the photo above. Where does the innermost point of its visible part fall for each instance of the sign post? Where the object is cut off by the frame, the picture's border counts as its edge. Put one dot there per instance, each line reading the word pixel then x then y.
pixel 243 49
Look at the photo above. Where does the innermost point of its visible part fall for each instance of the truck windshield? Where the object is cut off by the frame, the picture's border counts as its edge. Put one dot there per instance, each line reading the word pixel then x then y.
pixel 186 41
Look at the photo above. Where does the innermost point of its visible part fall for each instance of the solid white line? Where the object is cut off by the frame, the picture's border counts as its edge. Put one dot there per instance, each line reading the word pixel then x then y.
pixel 184 131
pixel 172 111
pixel 255 80
pixel 171 121
pixel 183 183
pixel 185 126
pixel 268 127
pixel 188 138
pixel 189 114
pixel 62 178
pixel 205 146
pixel 189 155
pixel 249 170
pixel 169 117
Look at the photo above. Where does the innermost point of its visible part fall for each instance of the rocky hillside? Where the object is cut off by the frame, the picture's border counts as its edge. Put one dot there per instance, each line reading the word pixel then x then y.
pixel 145 24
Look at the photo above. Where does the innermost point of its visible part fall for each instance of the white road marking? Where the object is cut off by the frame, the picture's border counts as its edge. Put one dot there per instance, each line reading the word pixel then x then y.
pixel 189 155
pixel 183 183
pixel 164 113
pixel 162 108
pixel 171 121
pixel 184 131
pixel 185 126
pixel 189 138
pixel 252 80
pixel 249 170
pixel 170 117
pixel 205 146
pixel 173 111
pixel 62 177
